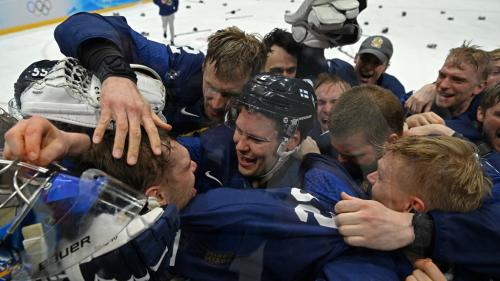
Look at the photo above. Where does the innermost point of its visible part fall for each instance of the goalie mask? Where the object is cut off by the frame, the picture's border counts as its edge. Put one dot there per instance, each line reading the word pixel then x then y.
pixel 51 221
pixel 290 102
pixel 65 91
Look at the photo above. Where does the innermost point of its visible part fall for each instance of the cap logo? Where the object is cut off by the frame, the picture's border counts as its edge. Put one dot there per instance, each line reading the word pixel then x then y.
pixel 377 42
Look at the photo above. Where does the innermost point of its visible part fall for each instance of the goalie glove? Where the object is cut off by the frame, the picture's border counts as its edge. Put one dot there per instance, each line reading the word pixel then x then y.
pixel 325 23
pixel 69 93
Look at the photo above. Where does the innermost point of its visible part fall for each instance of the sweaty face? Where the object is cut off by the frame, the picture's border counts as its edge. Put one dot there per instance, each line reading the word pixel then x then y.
pixel 256 141
pixel 494 76
pixel 326 94
pixel 280 62
pixel 491 125
pixel 368 68
pixel 456 86
pixel 217 92
pixel 179 187
pixel 387 183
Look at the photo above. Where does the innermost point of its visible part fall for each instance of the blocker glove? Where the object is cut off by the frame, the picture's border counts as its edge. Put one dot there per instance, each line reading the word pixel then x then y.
pixel 326 23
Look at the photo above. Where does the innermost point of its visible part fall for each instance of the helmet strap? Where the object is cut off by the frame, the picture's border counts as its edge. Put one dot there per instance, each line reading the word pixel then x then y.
pixel 283 156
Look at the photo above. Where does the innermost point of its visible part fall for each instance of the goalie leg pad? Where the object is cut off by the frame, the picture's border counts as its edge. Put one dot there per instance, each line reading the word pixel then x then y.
pixel 69 93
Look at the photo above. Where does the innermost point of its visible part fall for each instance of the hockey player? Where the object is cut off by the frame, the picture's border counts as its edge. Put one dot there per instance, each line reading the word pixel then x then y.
pixel 168 8
pixel 230 233
pixel 106 45
pixel 269 121
pixel 217 239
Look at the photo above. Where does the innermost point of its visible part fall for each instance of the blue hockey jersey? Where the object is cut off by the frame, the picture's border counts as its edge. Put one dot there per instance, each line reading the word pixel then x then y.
pixel 167 7
pixel 270 234
pixel 179 67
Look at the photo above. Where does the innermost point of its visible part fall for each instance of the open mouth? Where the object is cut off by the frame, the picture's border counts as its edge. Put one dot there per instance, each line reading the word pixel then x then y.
pixel 365 75
pixel 245 161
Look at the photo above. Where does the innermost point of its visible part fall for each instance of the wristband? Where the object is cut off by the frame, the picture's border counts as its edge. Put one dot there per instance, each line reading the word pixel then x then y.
pixel 423 229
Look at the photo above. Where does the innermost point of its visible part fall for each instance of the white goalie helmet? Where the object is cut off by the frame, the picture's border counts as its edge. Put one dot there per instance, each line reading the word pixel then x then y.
pixel 51 221
pixel 67 92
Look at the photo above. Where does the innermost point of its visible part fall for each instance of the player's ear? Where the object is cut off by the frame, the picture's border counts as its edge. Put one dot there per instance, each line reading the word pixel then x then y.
pixel 392 138
pixel 480 115
pixel 156 192
pixel 418 204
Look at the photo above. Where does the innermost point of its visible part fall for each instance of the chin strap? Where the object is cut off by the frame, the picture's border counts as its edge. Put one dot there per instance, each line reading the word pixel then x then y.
pixel 283 156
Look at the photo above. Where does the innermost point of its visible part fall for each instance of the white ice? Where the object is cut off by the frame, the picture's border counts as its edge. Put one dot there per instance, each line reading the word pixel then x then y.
pixel 413 62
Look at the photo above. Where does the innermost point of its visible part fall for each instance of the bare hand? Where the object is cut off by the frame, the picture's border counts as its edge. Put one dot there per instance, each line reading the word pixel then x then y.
pixel 421 100
pixel 308 145
pixel 37 141
pixel 431 129
pixel 122 102
pixel 368 223
pixel 424 119
pixel 426 270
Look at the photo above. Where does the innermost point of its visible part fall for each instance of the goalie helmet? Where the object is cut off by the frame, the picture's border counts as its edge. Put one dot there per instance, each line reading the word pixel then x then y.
pixel 65 91
pixel 290 102
pixel 51 221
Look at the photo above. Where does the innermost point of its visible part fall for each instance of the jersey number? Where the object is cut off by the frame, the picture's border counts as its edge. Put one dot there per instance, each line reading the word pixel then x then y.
pixel 303 210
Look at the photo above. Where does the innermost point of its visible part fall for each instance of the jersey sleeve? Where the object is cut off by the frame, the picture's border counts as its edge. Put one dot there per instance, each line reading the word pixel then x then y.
pixel 455 234
pixel 176 65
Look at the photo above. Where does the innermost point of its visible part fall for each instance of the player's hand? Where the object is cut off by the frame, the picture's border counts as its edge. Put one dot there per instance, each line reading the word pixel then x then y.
pixel 426 270
pixel 421 100
pixel 368 223
pixel 430 129
pixel 37 141
pixel 422 119
pixel 122 102
pixel 307 146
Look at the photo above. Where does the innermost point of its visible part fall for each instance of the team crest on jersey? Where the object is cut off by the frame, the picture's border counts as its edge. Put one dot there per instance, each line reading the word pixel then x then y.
pixel 377 42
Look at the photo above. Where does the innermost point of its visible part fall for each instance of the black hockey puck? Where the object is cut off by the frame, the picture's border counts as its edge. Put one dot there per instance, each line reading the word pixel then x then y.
pixel 201 1
pixel 233 12
pixel 385 30
pixel 431 46
pixel 188 7
pixel 116 14
pixel 366 23
pixel 224 4
pixel 451 18
pixel 287 11
pixel 195 29
pixel 380 6
pixel 144 33
pixel 481 18
pixel 143 14
pixel 443 12
pixel 403 14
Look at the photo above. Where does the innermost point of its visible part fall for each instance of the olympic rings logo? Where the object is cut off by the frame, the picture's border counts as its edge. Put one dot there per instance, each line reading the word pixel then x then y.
pixel 39 7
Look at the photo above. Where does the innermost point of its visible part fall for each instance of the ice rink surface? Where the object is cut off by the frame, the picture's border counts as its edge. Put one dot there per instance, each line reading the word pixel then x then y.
pixel 411 26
